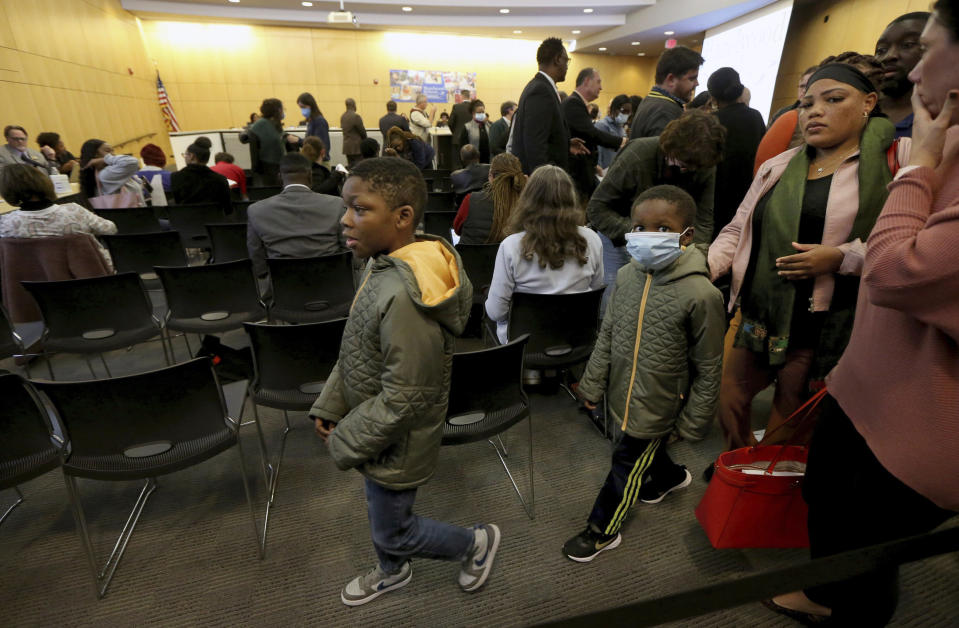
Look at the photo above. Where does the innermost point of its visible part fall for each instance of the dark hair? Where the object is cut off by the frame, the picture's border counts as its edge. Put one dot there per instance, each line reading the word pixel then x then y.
pixel 915 15
pixel 20 183
pixel 699 101
pixel 696 138
pixel 88 176
pixel 203 141
pixel 227 157
pixel 391 105
pixel 867 64
pixel 48 138
pixel 548 211
pixel 547 52
pixel 295 163
pixel 397 181
pixel 504 190
pixel 350 104
pixel 618 101
pixel 947 14
pixel 270 109
pixel 444 114
pixel 369 148
pixel 678 197
pixel 583 75
pixel 677 61
pixel 469 154
pixel 307 99
pixel 12 127
pixel 202 153
pixel 252 117
pixel 476 103
pixel 724 85
pixel 312 147
pixel 810 70
pixel 465 93
pixel 505 107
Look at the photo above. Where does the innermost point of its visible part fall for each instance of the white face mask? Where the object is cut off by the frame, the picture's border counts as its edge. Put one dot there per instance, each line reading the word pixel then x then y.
pixel 480 117
pixel 654 249
pixel 622 118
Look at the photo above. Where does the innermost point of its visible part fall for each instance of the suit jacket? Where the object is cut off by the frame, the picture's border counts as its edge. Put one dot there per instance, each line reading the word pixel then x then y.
pixel 470 178
pixel 10 156
pixel 540 132
pixel 582 167
pixel 353 132
pixel 459 116
pixel 391 120
pixel 199 184
pixel 498 136
pixel 294 223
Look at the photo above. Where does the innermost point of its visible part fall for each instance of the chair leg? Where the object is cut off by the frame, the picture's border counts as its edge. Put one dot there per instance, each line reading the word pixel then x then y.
pixel 189 351
pixel 562 384
pixel 260 540
pixel 104 362
pixel 528 504
pixel 15 504
pixel 46 358
pixel 103 576
pixel 268 470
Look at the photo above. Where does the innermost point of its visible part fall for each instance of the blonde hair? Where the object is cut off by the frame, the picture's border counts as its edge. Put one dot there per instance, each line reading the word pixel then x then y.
pixel 504 190
pixel 548 211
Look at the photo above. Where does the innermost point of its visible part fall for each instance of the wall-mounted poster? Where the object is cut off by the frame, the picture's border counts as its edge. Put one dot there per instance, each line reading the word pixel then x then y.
pixel 406 85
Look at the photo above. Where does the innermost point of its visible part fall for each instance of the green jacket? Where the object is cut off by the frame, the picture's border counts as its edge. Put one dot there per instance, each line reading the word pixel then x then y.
pixel 638 167
pixel 669 376
pixel 389 389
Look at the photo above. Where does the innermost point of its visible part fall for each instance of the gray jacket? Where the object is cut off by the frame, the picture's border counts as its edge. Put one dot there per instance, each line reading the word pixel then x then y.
pixel 10 156
pixel 296 223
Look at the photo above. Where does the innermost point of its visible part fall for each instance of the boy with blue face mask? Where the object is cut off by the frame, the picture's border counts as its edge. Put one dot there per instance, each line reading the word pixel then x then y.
pixel 658 359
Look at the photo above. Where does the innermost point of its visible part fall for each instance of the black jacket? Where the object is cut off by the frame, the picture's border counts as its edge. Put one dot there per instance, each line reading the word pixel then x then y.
pixel 734 174
pixel 540 132
pixel 653 114
pixel 459 116
pixel 582 167
pixel 199 184
pixel 391 120
pixel 470 178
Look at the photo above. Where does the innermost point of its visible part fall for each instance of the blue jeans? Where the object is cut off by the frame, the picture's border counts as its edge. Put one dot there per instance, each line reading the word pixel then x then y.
pixel 614 258
pixel 398 534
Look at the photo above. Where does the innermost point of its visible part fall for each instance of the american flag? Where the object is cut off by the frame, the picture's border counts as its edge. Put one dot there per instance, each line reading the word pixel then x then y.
pixel 165 107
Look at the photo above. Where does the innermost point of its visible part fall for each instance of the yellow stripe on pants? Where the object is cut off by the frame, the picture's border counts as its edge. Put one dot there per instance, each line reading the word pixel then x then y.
pixel 633 484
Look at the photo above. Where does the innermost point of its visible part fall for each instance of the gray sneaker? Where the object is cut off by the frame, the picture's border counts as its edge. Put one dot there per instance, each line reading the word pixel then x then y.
pixel 363 589
pixel 479 562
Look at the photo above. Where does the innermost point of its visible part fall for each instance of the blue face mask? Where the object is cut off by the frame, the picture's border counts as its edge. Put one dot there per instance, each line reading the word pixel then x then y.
pixel 480 117
pixel 305 111
pixel 622 118
pixel 653 249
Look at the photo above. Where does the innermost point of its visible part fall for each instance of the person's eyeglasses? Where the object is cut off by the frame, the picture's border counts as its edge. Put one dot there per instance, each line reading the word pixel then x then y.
pixel 17 139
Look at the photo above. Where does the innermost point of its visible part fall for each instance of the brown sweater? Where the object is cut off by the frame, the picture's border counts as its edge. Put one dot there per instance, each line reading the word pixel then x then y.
pixel 899 378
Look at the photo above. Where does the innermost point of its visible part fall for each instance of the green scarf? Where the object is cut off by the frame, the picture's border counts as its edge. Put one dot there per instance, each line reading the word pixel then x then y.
pixel 767 309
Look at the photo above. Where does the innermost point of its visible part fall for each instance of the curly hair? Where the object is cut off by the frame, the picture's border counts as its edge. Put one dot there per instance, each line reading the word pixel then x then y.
pixel 48 138
pixel 549 214
pixel 270 109
pixel 867 64
pixel 696 138
pixel 504 190
pixel 398 181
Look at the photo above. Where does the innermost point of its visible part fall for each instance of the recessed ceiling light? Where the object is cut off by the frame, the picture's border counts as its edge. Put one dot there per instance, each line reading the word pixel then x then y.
pixel 577 32
pixel 307 4
pixel 407 9
pixel 235 1
pixel 640 54
pixel 602 50
pixel 634 43
pixel 587 10
pixel 504 10
pixel 517 32
pixel 669 33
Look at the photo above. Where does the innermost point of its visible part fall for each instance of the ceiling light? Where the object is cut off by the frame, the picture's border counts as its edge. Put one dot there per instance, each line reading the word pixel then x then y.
pixel 577 32
pixel 640 54
pixel 307 4
pixel 587 10
pixel 504 11
pixel 634 43
pixel 669 33
pixel 407 9
pixel 235 1
pixel 602 50
pixel 517 32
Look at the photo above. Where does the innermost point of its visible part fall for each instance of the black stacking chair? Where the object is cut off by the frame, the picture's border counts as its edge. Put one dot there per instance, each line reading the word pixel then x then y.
pixel 140 427
pixel 27 447
pixel 228 241
pixel 131 219
pixel 562 327
pixel 486 399
pixel 441 202
pixel 210 299
pixel 258 193
pixel 439 224
pixel 94 315
pixel 311 289
pixel 291 364
pixel 191 220
pixel 479 260
pixel 140 252
pixel 240 211
pixel 11 343
pixel 438 180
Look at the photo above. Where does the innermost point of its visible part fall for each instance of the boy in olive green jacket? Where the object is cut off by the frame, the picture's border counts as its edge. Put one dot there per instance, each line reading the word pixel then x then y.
pixel 658 359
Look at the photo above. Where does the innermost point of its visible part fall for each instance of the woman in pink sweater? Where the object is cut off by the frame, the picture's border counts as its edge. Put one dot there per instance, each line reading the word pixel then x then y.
pixel 883 460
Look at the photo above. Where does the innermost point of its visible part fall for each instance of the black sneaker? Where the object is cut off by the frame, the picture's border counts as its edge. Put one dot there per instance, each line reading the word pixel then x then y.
pixel 588 544
pixel 650 493
pixel 709 471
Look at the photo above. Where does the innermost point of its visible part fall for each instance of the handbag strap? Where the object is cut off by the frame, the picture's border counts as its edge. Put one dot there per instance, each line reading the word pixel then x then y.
pixel 805 410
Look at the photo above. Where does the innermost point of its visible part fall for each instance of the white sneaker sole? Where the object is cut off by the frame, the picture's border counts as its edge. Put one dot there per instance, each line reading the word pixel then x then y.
pixel 612 545
pixel 402 583
pixel 490 557
pixel 683 484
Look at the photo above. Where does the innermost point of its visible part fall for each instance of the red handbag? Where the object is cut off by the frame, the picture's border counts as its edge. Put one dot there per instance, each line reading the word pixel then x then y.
pixel 747 504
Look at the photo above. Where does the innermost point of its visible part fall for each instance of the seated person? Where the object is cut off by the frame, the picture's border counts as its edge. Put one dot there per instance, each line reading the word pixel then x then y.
pixel 405 145
pixel 66 161
pixel 223 164
pixel 15 151
pixel 325 180
pixel 484 215
pixel 38 215
pixel 297 222
pixel 369 148
pixel 472 176
pixel 154 163
pixel 198 184
pixel 102 173
pixel 549 251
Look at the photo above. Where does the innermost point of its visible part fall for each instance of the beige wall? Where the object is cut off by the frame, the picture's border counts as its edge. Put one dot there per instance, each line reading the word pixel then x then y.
pixel 217 74
pixel 65 67
pixel 852 25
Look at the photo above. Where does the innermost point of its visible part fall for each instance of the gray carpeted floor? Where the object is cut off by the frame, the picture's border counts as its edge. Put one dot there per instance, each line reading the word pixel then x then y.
pixel 192 560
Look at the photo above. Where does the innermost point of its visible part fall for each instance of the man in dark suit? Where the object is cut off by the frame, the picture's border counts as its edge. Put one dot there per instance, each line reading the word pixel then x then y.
pixel 582 168
pixel 392 119
pixel 539 132
pixel 472 176
pixel 197 183
pixel 499 130
pixel 459 116
pixel 354 132
pixel 297 222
